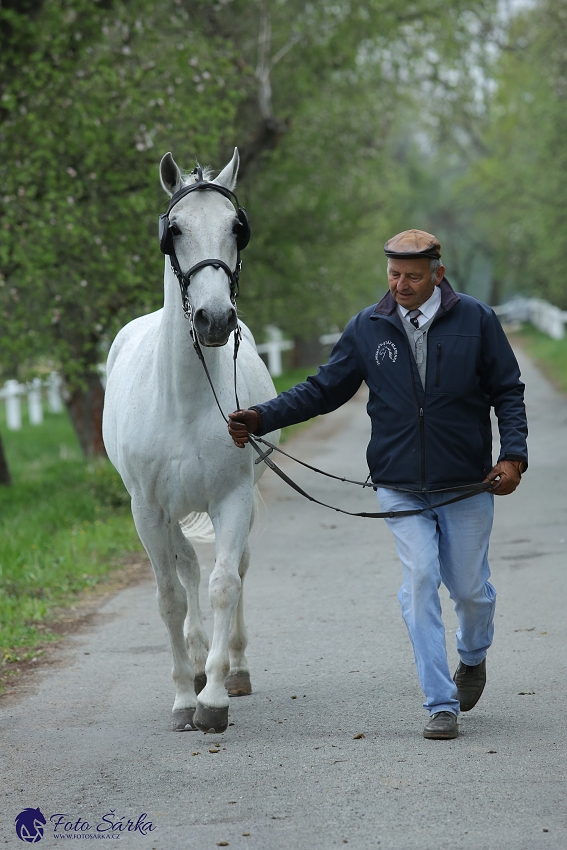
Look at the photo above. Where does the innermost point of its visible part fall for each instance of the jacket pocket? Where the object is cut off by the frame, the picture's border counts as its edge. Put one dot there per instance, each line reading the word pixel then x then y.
pixel 438 366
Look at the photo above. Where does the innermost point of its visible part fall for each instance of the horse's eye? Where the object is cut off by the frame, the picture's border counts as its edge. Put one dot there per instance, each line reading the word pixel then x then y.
pixel 175 231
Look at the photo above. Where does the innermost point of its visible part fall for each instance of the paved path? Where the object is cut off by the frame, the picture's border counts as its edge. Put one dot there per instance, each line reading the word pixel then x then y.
pixel 330 660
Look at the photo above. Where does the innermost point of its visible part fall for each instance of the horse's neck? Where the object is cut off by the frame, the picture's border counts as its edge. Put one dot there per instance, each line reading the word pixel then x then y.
pixel 178 363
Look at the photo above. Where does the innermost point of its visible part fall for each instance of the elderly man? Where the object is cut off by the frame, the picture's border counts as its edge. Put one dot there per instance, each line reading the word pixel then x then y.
pixel 435 362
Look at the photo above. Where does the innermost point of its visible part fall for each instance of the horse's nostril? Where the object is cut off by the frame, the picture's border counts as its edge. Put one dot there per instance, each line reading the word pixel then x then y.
pixel 202 320
pixel 214 328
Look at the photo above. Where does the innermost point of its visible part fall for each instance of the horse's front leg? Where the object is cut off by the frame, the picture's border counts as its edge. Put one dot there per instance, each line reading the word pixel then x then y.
pixel 238 681
pixel 158 537
pixel 189 574
pixel 231 520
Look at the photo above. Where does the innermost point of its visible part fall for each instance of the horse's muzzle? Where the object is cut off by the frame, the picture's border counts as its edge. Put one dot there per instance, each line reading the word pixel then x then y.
pixel 214 329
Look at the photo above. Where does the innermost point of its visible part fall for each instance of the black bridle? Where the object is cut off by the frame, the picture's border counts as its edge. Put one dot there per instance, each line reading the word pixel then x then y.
pixel 167 246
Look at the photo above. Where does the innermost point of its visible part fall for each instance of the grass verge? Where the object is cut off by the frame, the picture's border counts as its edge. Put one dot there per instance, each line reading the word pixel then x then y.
pixel 549 354
pixel 64 525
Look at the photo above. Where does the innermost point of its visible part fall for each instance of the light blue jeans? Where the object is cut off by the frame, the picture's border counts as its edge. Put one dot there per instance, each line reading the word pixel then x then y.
pixel 449 545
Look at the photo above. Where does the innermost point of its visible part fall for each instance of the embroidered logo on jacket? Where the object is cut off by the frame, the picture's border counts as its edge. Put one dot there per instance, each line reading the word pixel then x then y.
pixel 386 349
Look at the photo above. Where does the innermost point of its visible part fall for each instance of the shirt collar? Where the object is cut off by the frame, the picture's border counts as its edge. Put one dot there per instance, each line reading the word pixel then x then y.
pixel 428 308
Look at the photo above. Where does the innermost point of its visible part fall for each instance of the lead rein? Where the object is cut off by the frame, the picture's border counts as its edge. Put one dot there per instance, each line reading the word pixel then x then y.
pixel 471 489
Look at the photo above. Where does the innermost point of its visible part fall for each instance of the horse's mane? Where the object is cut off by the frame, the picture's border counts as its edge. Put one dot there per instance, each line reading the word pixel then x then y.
pixel 189 177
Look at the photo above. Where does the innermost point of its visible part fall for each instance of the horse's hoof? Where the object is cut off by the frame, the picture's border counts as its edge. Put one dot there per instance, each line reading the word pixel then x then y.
pixel 238 683
pixel 207 718
pixel 200 682
pixel 182 720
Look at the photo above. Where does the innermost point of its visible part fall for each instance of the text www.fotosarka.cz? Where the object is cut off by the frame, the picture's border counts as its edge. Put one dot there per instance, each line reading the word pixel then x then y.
pixel 31 825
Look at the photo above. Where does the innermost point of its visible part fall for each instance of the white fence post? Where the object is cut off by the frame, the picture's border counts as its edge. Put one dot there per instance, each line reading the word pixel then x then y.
pixel 545 317
pixel 273 348
pixel 54 393
pixel 35 407
pixel 12 391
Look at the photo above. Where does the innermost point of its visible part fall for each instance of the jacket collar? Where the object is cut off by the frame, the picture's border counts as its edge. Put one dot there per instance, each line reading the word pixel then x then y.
pixel 387 305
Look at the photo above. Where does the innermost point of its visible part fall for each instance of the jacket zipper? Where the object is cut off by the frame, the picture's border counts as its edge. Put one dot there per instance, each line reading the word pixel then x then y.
pixel 438 371
pixel 421 419
pixel 422 445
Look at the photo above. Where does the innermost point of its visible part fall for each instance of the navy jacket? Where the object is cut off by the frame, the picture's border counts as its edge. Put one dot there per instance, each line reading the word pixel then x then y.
pixel 440 437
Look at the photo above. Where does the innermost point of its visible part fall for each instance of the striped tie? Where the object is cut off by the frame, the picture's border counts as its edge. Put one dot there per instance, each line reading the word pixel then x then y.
pixel 412 315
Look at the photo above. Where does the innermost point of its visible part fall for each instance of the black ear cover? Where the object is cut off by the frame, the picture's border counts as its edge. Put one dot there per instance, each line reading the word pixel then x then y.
pixel 242 229
pixel 165 235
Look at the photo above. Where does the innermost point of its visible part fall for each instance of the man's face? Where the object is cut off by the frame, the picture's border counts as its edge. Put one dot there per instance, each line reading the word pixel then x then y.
pixel 411 282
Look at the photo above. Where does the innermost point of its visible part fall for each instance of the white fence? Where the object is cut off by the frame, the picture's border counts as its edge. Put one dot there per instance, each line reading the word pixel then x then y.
pixel 273 348
pixel 543 316
pixel 276 344
pixel 12 392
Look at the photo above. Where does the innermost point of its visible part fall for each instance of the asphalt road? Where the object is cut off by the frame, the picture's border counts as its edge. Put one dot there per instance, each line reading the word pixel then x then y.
pixel 328 750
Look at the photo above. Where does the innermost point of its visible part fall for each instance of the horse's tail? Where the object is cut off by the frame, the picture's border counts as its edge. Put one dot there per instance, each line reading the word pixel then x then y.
pixel 198 527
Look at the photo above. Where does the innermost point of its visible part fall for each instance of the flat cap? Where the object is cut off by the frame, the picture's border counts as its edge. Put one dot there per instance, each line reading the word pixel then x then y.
pixel 412 244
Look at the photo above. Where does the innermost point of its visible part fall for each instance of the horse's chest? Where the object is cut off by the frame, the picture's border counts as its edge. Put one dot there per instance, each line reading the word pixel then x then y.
pixel 181 466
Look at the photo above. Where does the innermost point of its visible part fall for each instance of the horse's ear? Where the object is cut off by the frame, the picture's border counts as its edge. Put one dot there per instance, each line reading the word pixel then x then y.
pixel 169 174
pixel 227 177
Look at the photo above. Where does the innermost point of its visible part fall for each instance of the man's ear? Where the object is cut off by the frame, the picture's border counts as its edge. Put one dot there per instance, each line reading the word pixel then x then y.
pixel 440 275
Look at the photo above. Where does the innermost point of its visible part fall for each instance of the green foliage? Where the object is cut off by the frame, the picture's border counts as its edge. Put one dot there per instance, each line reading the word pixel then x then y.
pixel 63 524
pixel 520 179
pixel 94 93
pixel 479 151
pixel 334 189
pixel 104 93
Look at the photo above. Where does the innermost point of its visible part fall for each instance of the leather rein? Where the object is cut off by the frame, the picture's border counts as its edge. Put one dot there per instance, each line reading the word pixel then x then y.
pixel 464 492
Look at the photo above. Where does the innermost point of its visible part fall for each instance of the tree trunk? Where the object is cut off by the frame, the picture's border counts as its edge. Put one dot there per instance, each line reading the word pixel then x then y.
pixel 266 137
pixel 496 288
pixel 306 352
pixel 85 409
pixel 5 479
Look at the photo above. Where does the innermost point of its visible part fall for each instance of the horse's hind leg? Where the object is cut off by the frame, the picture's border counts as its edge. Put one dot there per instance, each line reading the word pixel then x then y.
pixel 189 574
pixel 238 680
pixel 156 535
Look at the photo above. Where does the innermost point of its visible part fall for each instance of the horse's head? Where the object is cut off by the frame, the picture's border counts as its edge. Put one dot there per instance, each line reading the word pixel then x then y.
pixel 204 225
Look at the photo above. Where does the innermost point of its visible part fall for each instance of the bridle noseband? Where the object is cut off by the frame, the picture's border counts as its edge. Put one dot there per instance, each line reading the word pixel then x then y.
pixel 166 241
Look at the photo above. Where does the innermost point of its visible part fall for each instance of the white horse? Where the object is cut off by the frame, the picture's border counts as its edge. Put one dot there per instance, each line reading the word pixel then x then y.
pixel 166 437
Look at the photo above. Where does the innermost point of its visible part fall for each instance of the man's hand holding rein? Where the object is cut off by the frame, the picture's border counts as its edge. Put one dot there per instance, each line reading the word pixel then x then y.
pixel 508 473
pixel 241 423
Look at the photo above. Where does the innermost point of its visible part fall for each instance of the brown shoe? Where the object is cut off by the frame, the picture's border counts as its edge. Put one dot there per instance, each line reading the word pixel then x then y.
pixel 470 682
pixel 442 726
